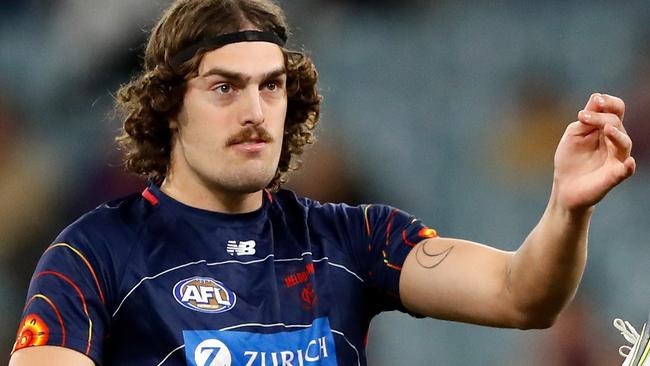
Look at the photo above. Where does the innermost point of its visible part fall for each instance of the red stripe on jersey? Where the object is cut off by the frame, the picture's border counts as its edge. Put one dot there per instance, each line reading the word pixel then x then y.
pixel 390 225
pixel 388 264
pixel 83 258
pixel 149 196
pixel 81 296
pixel 405 239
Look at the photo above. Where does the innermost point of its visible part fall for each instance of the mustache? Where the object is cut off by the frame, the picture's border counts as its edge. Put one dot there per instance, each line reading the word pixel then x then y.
pixel 257 133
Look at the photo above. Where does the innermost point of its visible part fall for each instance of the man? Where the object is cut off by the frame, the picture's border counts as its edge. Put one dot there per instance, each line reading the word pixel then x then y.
pixel 212 265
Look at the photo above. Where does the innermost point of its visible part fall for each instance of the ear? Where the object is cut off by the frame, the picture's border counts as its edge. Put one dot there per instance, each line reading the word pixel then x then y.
pixel 173 124
pixel 174 130
pixel 176 120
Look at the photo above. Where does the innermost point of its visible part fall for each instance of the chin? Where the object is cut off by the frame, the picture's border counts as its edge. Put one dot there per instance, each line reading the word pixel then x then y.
pixel 249 183
pixel 242 178
pixel 250 187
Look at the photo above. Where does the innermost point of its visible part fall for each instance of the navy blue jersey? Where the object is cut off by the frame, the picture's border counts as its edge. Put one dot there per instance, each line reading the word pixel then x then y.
pixel 147 280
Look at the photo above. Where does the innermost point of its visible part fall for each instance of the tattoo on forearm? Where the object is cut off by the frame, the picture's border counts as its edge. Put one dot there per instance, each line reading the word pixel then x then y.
pixel 430 260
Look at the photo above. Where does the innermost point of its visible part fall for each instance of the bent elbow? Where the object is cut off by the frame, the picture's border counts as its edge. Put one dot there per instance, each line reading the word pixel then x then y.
pixel 536 320
pixel 541 314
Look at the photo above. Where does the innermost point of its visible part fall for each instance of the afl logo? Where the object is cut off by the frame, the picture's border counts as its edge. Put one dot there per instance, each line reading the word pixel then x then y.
pixel 204 294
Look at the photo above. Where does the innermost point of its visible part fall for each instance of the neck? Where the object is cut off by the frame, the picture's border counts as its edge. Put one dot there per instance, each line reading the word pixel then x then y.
pixel 213 199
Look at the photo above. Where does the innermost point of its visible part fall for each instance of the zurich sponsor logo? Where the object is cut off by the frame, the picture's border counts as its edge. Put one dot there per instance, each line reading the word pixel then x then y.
pixel 311 346
pixel 212 352
pixel 204 294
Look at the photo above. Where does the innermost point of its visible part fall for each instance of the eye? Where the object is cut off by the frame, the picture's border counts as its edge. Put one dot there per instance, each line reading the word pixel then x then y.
pixel 223 88
pixel 272 85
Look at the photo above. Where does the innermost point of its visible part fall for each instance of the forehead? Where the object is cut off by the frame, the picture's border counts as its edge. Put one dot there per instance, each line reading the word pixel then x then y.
pixel 250 58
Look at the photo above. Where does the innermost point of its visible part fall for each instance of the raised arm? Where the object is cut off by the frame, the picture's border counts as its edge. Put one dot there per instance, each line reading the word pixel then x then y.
pixel 460 280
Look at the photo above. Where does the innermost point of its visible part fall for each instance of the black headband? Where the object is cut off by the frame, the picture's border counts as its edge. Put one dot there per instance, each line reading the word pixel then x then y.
pixel 222 40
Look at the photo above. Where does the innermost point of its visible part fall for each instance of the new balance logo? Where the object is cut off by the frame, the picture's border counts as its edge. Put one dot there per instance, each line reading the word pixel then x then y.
pixel 242 248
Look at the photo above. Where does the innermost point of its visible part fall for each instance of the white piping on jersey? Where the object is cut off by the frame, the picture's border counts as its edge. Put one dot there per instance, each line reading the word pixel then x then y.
pixel 319 260
pixel 170 353
pixel 266 325
pixel 338 265
pixel 269 326
pixel 292 259
pixel 181 266
pixel 351 345
pixel 229 262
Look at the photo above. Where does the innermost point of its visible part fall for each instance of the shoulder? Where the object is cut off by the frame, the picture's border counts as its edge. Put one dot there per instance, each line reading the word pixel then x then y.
pixel 291 205
pixel 111 222
pixel 289 202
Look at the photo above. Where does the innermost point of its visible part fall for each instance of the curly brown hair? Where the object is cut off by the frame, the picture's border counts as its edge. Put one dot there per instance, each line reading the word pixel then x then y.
pixel 152 98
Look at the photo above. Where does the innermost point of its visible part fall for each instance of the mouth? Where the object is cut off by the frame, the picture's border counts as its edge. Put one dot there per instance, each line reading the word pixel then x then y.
pixel 251 140
pixel 250 145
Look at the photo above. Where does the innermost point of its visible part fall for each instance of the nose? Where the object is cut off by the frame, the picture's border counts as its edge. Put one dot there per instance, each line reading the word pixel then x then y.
pixel 252 110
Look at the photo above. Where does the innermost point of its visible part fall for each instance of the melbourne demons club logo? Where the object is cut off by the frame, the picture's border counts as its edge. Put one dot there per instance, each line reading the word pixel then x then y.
pixel 308 296
pixel 204 294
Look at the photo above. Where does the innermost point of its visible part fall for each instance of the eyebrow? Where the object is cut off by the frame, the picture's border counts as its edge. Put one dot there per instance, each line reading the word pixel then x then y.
pixel 241 77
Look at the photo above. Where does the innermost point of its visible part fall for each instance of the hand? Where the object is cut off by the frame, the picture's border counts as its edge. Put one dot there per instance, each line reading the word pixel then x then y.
pixel 593 155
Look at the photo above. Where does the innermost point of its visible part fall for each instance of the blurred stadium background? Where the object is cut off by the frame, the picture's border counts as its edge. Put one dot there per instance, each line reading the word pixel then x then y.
pixel 450 110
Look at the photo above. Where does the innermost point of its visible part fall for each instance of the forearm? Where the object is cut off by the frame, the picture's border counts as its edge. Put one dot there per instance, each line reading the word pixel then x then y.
pixel 544 273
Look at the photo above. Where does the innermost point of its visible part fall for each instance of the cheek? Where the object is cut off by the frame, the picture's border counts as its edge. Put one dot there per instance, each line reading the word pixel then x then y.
pixel 278 116
pixel 204 127
pixel 198 135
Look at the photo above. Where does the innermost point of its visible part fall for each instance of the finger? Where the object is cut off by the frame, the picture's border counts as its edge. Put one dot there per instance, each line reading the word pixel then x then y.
pixel 594 102
pixel 624 170
pixel 614 105
pixel 599 102
pixel 579 128
pixel 621 141
pixel 600 119
pixel 630 165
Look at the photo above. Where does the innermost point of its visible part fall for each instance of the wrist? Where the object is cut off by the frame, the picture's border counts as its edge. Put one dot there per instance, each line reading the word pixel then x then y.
pixel 574 214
